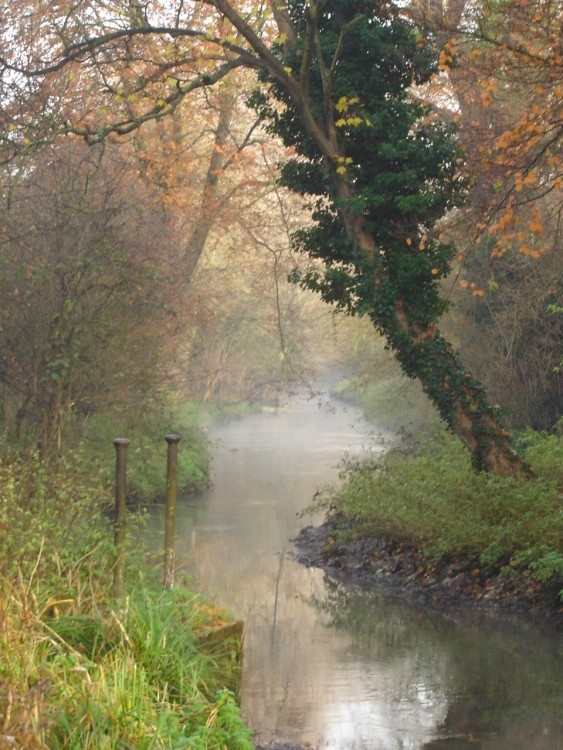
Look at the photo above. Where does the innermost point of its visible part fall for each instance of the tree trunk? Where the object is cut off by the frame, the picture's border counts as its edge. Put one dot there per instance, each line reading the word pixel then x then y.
pixel 210 198
pixel 460 398
pixel 426 355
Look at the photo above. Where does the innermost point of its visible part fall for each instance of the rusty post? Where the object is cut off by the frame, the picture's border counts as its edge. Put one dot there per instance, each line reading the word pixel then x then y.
pixel 170 513
pixel 121 445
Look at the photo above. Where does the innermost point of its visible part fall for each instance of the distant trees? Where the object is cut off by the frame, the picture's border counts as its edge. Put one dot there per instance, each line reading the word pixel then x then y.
pixel 512 332
pixel 99 70
pixel 501 67
pixel 129 272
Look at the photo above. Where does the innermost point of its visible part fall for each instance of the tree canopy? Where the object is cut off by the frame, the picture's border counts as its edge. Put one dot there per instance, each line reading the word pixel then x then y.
pixel 343 85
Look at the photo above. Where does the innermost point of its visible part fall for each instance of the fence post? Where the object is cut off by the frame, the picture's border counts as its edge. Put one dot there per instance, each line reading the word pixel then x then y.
pixel 121 445
pixel 170 514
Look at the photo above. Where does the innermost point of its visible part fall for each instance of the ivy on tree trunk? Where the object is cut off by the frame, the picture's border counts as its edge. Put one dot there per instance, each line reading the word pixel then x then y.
pixel 379 171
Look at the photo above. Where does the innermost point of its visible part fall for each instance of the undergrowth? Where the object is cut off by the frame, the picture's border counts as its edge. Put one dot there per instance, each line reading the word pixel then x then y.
pixel 146 455
pixel 79 670
pixel 430 497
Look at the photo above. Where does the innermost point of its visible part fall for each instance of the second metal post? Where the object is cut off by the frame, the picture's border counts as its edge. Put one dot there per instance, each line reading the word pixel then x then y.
pixel 170 514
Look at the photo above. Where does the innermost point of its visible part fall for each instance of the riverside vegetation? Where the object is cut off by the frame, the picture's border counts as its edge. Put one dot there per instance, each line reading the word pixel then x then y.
pixel 418 513
pixel 79 669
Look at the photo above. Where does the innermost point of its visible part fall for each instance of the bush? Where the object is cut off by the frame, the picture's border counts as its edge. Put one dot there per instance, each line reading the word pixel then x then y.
pixel 434 500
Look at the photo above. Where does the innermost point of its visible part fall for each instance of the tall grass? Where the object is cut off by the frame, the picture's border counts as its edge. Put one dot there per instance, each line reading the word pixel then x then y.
pixel 135 677
pixel 430 497
pixel 79 670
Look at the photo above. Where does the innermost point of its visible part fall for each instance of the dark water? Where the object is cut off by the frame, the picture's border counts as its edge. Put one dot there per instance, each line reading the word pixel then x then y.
pixel 344 669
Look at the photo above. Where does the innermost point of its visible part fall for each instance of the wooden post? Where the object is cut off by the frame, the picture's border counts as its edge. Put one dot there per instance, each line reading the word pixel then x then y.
pixel 170 514
pixel 121 445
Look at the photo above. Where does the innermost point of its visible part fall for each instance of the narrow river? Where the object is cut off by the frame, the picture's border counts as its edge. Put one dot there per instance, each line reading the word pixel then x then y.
pixel 343 669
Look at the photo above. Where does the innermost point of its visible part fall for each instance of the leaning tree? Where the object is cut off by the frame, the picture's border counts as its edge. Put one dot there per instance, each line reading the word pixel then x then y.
pixel 339 82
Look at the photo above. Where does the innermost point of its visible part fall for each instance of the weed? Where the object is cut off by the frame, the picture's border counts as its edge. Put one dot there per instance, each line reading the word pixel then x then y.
pixel 77 670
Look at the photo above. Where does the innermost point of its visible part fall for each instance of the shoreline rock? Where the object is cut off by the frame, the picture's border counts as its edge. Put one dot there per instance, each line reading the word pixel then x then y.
pixel 396 567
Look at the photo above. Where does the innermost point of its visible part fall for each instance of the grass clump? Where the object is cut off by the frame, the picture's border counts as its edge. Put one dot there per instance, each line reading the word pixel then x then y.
pixel 150 686
pixel 129 677
pixel 431 498
pixel 79 670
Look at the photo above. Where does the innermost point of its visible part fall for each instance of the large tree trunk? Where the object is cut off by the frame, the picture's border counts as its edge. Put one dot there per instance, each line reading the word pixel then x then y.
pixel 460 399
pixel 426 355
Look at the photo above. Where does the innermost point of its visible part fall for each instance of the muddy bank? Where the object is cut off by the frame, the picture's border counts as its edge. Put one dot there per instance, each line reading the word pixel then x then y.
pixel 401 570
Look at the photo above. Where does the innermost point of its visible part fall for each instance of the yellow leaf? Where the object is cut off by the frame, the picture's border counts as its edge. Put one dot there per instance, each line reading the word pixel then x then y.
pixel 342 104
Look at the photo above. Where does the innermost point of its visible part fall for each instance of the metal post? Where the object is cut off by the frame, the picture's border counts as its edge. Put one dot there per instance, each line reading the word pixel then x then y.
pixel 121 445
pixel 170 515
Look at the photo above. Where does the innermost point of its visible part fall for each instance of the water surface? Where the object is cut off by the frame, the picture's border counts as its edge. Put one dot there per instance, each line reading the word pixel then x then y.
pixel 344 669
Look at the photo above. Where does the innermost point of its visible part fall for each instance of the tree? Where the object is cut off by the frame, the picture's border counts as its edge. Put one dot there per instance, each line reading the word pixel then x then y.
pixel 501 64
pixel 384 257
pixel 82 308
pixel 509 331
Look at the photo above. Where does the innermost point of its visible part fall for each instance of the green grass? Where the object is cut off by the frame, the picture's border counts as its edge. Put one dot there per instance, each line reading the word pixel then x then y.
pixel 125 677
pixel 79 670
pixel 146 455
pixel 432 499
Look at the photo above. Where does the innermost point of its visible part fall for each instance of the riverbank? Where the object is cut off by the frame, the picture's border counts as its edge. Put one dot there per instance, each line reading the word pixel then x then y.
pixel 82 666
pixel 401 570
pixel 418 521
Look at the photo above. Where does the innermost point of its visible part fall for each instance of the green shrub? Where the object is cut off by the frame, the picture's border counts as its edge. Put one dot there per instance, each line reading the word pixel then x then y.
pixel 433 499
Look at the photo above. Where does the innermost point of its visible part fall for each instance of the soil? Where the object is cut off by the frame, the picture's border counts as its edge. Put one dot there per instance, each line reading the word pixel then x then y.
pixel 373 563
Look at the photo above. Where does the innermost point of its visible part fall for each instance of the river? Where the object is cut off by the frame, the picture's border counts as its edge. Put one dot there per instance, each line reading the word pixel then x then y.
pixel 339 669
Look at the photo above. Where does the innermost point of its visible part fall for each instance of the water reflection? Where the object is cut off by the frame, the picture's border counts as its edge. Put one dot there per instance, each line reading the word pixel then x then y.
pixel 345 669
pixel 485 683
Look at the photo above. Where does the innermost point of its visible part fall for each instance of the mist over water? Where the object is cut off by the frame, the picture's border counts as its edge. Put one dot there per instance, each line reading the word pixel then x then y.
pixel 345 669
